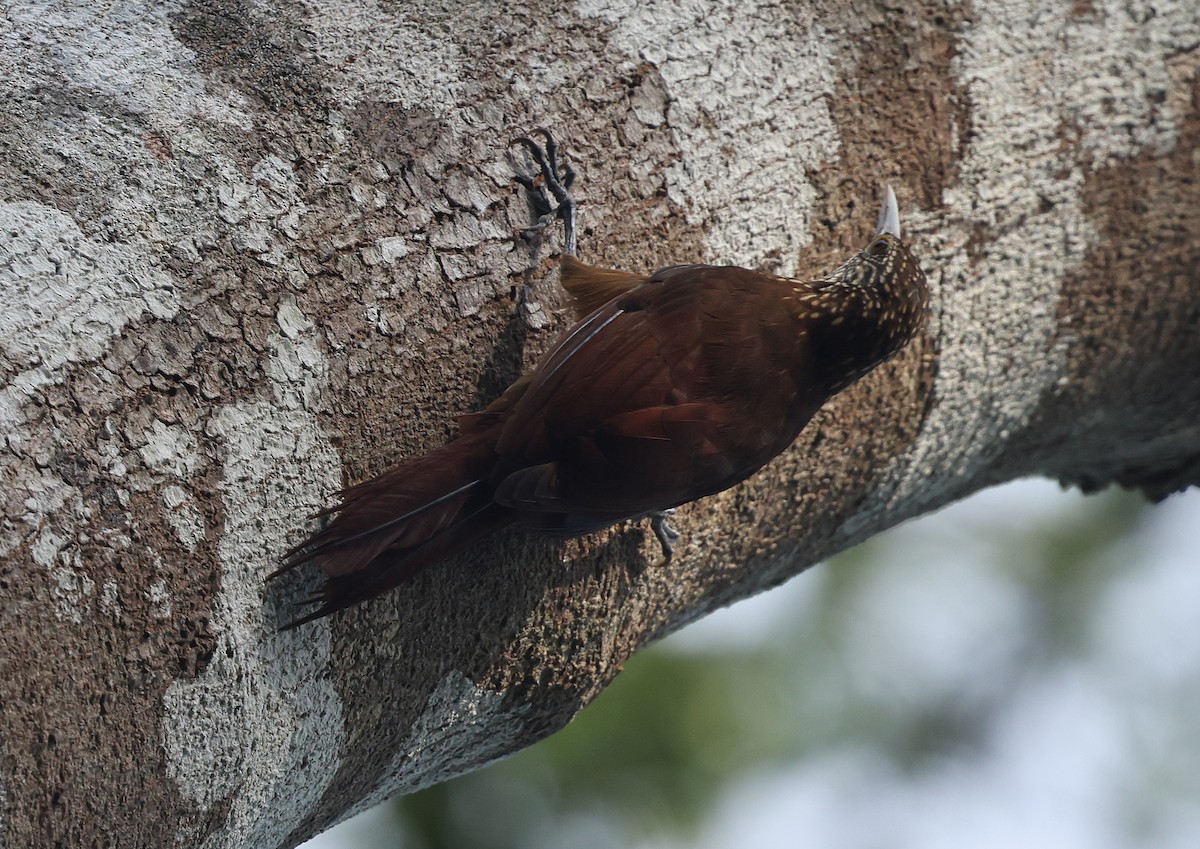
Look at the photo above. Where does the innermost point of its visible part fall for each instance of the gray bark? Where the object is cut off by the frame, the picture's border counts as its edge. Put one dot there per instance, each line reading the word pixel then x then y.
pixel 255 250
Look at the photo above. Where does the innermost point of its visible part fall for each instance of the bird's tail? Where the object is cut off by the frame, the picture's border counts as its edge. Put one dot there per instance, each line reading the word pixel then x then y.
pixel 390 527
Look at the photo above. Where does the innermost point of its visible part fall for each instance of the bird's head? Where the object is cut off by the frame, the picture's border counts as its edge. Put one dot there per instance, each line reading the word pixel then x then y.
pixel 885 266
pixel 875 302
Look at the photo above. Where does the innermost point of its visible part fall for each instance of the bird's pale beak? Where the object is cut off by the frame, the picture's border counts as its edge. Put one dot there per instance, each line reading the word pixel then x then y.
pixel 889 215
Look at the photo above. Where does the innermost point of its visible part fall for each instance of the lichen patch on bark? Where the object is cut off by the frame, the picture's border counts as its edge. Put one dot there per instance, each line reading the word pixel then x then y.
pixel 1133 302
pixel 248 698
pixel 998 237
pixel 736 76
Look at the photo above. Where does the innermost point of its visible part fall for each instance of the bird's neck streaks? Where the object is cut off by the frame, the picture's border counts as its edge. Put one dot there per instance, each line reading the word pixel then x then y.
pixel 864 312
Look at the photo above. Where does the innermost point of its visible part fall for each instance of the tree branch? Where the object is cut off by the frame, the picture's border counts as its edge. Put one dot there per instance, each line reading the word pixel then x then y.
pixel 252 256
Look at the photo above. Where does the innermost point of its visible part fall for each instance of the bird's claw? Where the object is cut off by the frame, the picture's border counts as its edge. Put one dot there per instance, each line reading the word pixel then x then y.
pixel 553 180
pixel 667 535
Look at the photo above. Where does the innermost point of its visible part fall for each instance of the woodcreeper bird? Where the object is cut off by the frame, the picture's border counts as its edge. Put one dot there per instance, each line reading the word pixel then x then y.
pixel 670 387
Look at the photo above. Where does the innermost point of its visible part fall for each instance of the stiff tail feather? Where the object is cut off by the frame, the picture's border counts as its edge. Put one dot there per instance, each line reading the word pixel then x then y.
pixel 388 528
pixel 591 286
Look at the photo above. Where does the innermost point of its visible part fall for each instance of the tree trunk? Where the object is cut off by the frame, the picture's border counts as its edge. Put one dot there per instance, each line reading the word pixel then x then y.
pixel 254 251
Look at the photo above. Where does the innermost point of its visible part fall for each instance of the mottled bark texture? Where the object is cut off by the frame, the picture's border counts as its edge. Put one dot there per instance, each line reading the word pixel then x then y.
pixel 252 250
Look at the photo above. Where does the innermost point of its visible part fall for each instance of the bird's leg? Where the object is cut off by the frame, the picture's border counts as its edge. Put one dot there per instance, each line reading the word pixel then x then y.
pixel 552 181
pixel 667 535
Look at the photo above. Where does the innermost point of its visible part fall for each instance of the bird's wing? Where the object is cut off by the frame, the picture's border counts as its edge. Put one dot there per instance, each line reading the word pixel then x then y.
pixel 590 288
pixel 635 351
pixel 624 415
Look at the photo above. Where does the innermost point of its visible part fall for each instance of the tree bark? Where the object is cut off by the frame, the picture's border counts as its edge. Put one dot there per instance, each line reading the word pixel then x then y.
pixel 255 251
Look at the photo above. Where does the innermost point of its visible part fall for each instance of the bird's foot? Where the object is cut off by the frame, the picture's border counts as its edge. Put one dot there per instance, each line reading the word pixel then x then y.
pixel 549 193
pixel 667 535
pixel 552 180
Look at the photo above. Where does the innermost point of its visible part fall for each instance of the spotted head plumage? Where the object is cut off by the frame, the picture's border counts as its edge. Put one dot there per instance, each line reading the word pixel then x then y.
pixel 871 305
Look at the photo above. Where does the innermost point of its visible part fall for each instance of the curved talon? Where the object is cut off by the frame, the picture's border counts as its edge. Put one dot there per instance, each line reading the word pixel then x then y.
pixel 546 184
pixel 535 150
pixel 547 161
pixel 558 186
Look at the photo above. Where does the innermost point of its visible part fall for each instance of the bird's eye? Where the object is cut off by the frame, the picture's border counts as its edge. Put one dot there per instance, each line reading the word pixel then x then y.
pixel 879 248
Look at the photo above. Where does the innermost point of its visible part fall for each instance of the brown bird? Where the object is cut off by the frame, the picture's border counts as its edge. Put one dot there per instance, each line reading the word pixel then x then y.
pixel 670 387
